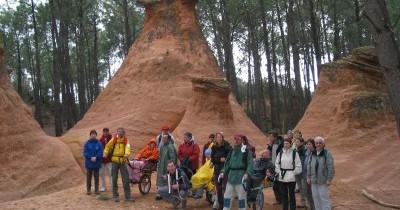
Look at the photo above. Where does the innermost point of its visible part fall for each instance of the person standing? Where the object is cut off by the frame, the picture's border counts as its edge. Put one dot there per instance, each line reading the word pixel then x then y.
pixel 92 151
pixel 287 165
pixel 208 145
pixel 120 149
pixel 301 150
pixel 310 147
pixel 219 152
pixel 275 146
pixel 165 131
pixel 189 152
pixel 238 166
pixel 320 173
pixel 167 152
pixel 246 142
pixel 105 169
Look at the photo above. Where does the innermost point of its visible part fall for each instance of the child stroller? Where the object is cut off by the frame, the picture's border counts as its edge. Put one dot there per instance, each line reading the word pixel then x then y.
pixel 140 173
pixel 202 180
pixel 254 187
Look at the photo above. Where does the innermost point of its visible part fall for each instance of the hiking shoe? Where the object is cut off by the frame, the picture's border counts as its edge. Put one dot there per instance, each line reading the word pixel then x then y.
pixel 130 200
pixel 116 199
pixel 97 193
pixel 103 189
pixel 88 193
pixel 176 203
pixel 158 197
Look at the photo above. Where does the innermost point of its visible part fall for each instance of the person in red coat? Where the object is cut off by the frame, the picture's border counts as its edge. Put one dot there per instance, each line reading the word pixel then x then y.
pixel 189 150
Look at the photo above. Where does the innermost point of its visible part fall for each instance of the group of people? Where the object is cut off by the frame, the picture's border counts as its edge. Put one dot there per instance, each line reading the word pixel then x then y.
pixel 287 161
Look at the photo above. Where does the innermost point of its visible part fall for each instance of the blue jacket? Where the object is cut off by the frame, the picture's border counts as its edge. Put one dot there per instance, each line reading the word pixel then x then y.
pixel 93 148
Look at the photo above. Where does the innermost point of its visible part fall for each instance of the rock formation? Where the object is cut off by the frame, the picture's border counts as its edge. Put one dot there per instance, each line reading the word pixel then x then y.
pixel 153 86
pixel 31 162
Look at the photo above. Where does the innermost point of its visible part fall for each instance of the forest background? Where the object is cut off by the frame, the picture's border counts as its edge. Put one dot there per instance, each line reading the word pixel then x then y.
pixel 63 53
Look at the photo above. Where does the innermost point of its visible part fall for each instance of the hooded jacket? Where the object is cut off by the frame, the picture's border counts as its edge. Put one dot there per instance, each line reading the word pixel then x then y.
pixel 148 152
pixel 191 151
pixel 120 148
pixel 93 148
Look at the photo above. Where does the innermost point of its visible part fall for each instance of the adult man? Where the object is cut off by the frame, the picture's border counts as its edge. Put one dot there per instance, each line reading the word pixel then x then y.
pixel 167 152
pixel 320 173
pixel 219 152
pixel 238 165
pixel 164 131
pixel 120 149
pixel 106 163
pixel 275 146
pixel 209 143
pixel 189 152
pixel 178 185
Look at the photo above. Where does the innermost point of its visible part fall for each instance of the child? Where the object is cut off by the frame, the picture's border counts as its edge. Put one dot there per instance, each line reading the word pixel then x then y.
pixel 203 177
pixel 93 153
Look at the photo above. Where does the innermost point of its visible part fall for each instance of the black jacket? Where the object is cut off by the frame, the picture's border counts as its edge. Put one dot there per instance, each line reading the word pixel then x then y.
pixel 217 152
pixel 183 181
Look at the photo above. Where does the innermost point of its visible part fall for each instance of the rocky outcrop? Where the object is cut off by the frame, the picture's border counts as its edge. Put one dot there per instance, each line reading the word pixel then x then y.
pixel 31 162
pixel 153 86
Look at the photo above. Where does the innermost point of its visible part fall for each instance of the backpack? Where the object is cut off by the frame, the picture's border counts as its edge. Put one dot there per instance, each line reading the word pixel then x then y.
pixel 114 139
pixel 293 163
pixel 244 159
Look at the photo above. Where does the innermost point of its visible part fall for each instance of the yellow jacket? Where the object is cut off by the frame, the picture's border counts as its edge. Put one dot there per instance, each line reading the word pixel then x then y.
pixel 122 149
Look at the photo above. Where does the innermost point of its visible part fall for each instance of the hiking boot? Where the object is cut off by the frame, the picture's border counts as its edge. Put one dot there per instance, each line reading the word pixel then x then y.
pixel 115 199
pixel 88 193
pixel 97 193
pixel 130 200
pixel 158 197
pixel 176 203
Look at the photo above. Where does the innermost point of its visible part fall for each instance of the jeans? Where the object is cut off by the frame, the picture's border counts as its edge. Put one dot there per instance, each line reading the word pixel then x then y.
pixel 89 173
pixel 287 195
pixel 320 194
pixel 125 179
pixel 171 197
pixel 230 192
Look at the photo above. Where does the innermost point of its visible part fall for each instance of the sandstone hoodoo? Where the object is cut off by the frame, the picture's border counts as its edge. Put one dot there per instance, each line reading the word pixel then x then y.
pixel 32 163
pixel 153 86
pixel 350 109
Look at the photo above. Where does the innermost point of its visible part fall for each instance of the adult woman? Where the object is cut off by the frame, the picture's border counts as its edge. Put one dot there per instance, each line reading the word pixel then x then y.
pixel 219 152
pixel 287 165
pixel 310 147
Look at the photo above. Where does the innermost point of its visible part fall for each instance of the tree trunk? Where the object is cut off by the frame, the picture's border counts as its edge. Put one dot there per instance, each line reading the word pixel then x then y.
pixel 81 60
pixel 19 66
pixel 258 87
pixel 38 86
pixel 388 51
pixel 57 109
pixel 227 39
pixel 328 49
pixel 336 32
pixel 315 32
pixel 96 59
pixel 271 86
pixel 298 106
pixel 128 34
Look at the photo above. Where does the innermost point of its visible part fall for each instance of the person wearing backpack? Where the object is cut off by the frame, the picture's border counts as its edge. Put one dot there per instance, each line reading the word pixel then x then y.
pixel 92 151
pixel 164 131
pixel 238 166
pixel 287 165
pixel 320 172
pixel 177 186
pixel 120 150
pixel 275 146
pixel 106 162
pixel 189 153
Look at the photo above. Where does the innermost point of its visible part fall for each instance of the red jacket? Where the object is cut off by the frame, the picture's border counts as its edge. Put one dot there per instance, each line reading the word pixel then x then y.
pixel 104 140
pixel 190 150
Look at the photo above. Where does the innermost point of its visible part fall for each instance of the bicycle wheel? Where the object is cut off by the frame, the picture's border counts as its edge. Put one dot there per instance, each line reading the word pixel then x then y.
pixel 144 184
pixel 258 205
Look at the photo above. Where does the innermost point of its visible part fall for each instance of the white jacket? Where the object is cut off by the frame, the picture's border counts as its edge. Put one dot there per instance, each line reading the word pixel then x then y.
pixel 286 162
